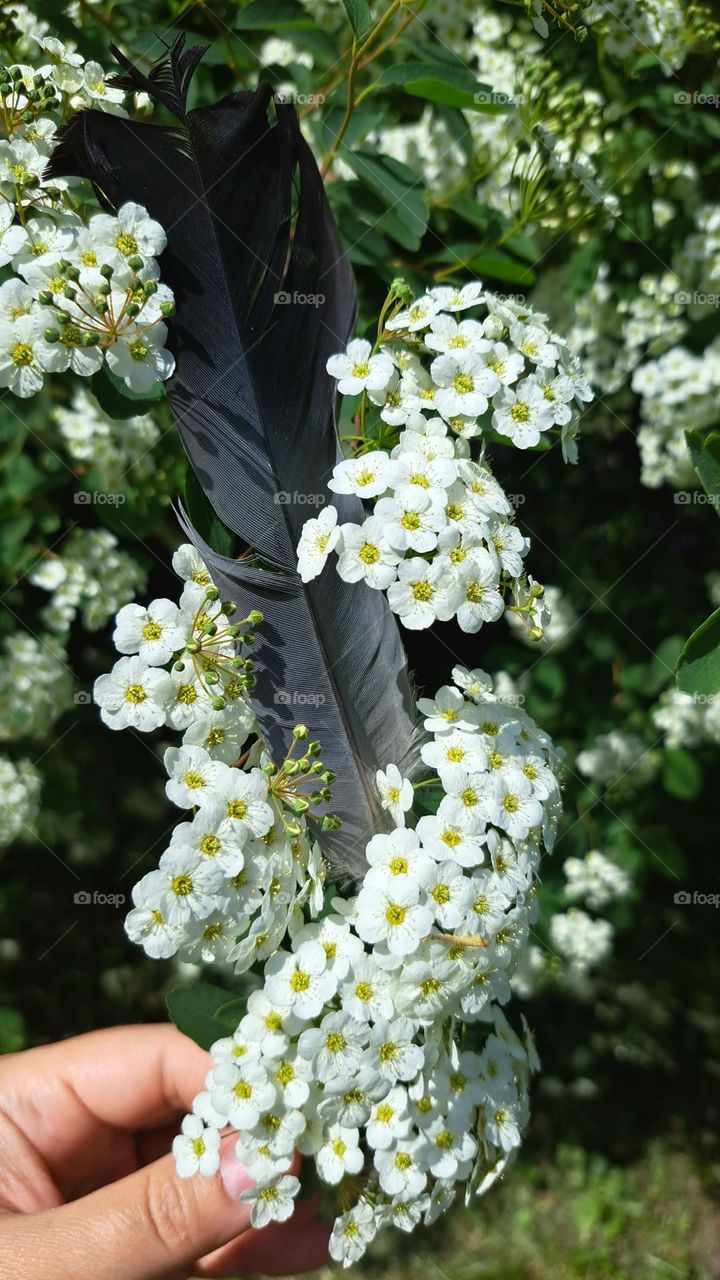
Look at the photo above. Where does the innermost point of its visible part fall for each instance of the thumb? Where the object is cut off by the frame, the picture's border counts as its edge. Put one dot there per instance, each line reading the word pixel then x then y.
pixel 149 1225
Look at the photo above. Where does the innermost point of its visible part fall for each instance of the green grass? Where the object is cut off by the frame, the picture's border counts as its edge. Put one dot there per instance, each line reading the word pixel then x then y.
pixel 576 1218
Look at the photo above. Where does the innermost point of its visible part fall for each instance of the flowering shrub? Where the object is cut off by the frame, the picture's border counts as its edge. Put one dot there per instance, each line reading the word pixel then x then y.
pixel 573 174
pixel 351 1048
pixel 440 538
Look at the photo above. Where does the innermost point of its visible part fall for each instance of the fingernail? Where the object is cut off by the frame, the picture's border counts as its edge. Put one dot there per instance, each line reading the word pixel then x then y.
pixel 234 1175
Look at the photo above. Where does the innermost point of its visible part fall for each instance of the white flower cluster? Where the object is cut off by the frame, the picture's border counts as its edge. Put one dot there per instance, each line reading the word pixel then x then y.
pixel 630 27
pixel 687 721
pixel 440 539
pixel 117 452
pixel 36 686
pixel 21 785
pixel 679 393
pixel 85 290
pixel 351 1051
pixel 582 941
pixel 617 755
pixel 596 879
pixel 90 576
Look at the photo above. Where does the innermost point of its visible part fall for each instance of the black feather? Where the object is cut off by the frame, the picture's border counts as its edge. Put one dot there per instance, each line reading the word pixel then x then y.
pixel 248 224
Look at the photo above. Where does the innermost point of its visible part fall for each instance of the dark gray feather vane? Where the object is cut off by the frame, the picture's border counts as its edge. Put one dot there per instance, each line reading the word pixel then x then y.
pixel 264 295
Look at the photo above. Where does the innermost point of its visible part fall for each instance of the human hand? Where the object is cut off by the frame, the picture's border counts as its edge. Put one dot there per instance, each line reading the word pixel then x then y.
pixel 83 1194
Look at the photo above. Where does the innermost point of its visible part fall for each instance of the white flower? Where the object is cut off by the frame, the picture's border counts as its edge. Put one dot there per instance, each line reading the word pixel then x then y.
pixel 196 1149
pixel 396 859
pixel 319 537
pixel 340 1154
pixel 131 233
pixel 242 1092
pixel 478 589
pixel 155 633
pixel 146 924
pixel 534 343
pixel 268 1025
pixel 272 1201
pixel 389 1120
pixel 415 317
pixel 140 358
pixel 506 364
pixel 292 1076
pixel 133 695
pixel 352 1233
pixel 244 797
pixel 410 520
pixel 447 711
pixel 25 356
pixel 13 236
pixel 95 86
pixel 335 1048
pixel 192 776
pixel 221 733
pixel 358 370
pixel 450 298
pixel 512 805
pixel 420 595
pixel 414 467
pixel 399 1170
pixel 365 554
pixel 476 684
pixel 396 793
pixel 187 564
pixel 501 1124
pixel 449 894
pixel 447 1151
pixel 465 382
pixel 366 994
pixel 302 981
pixel 448 336
pixel 391 1050
pixel 188 886
pixel 458 836
pixel 455 746
pixel 365 476
pixel 522 414
pixel 392 914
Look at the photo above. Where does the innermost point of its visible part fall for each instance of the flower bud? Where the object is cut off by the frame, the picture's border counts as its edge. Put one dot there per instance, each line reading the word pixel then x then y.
pixel 301 731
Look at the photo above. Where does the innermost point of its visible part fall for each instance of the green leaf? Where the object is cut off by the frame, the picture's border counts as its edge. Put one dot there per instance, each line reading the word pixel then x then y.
pixel 682 775
pixel 118 401
pixel 360 16
pixel 272 15
pixel 204 1013
pixel 203 516
pixel 705 454
pixel 398 189
pixel 698 668
pixel 451 86
pixel 500 266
